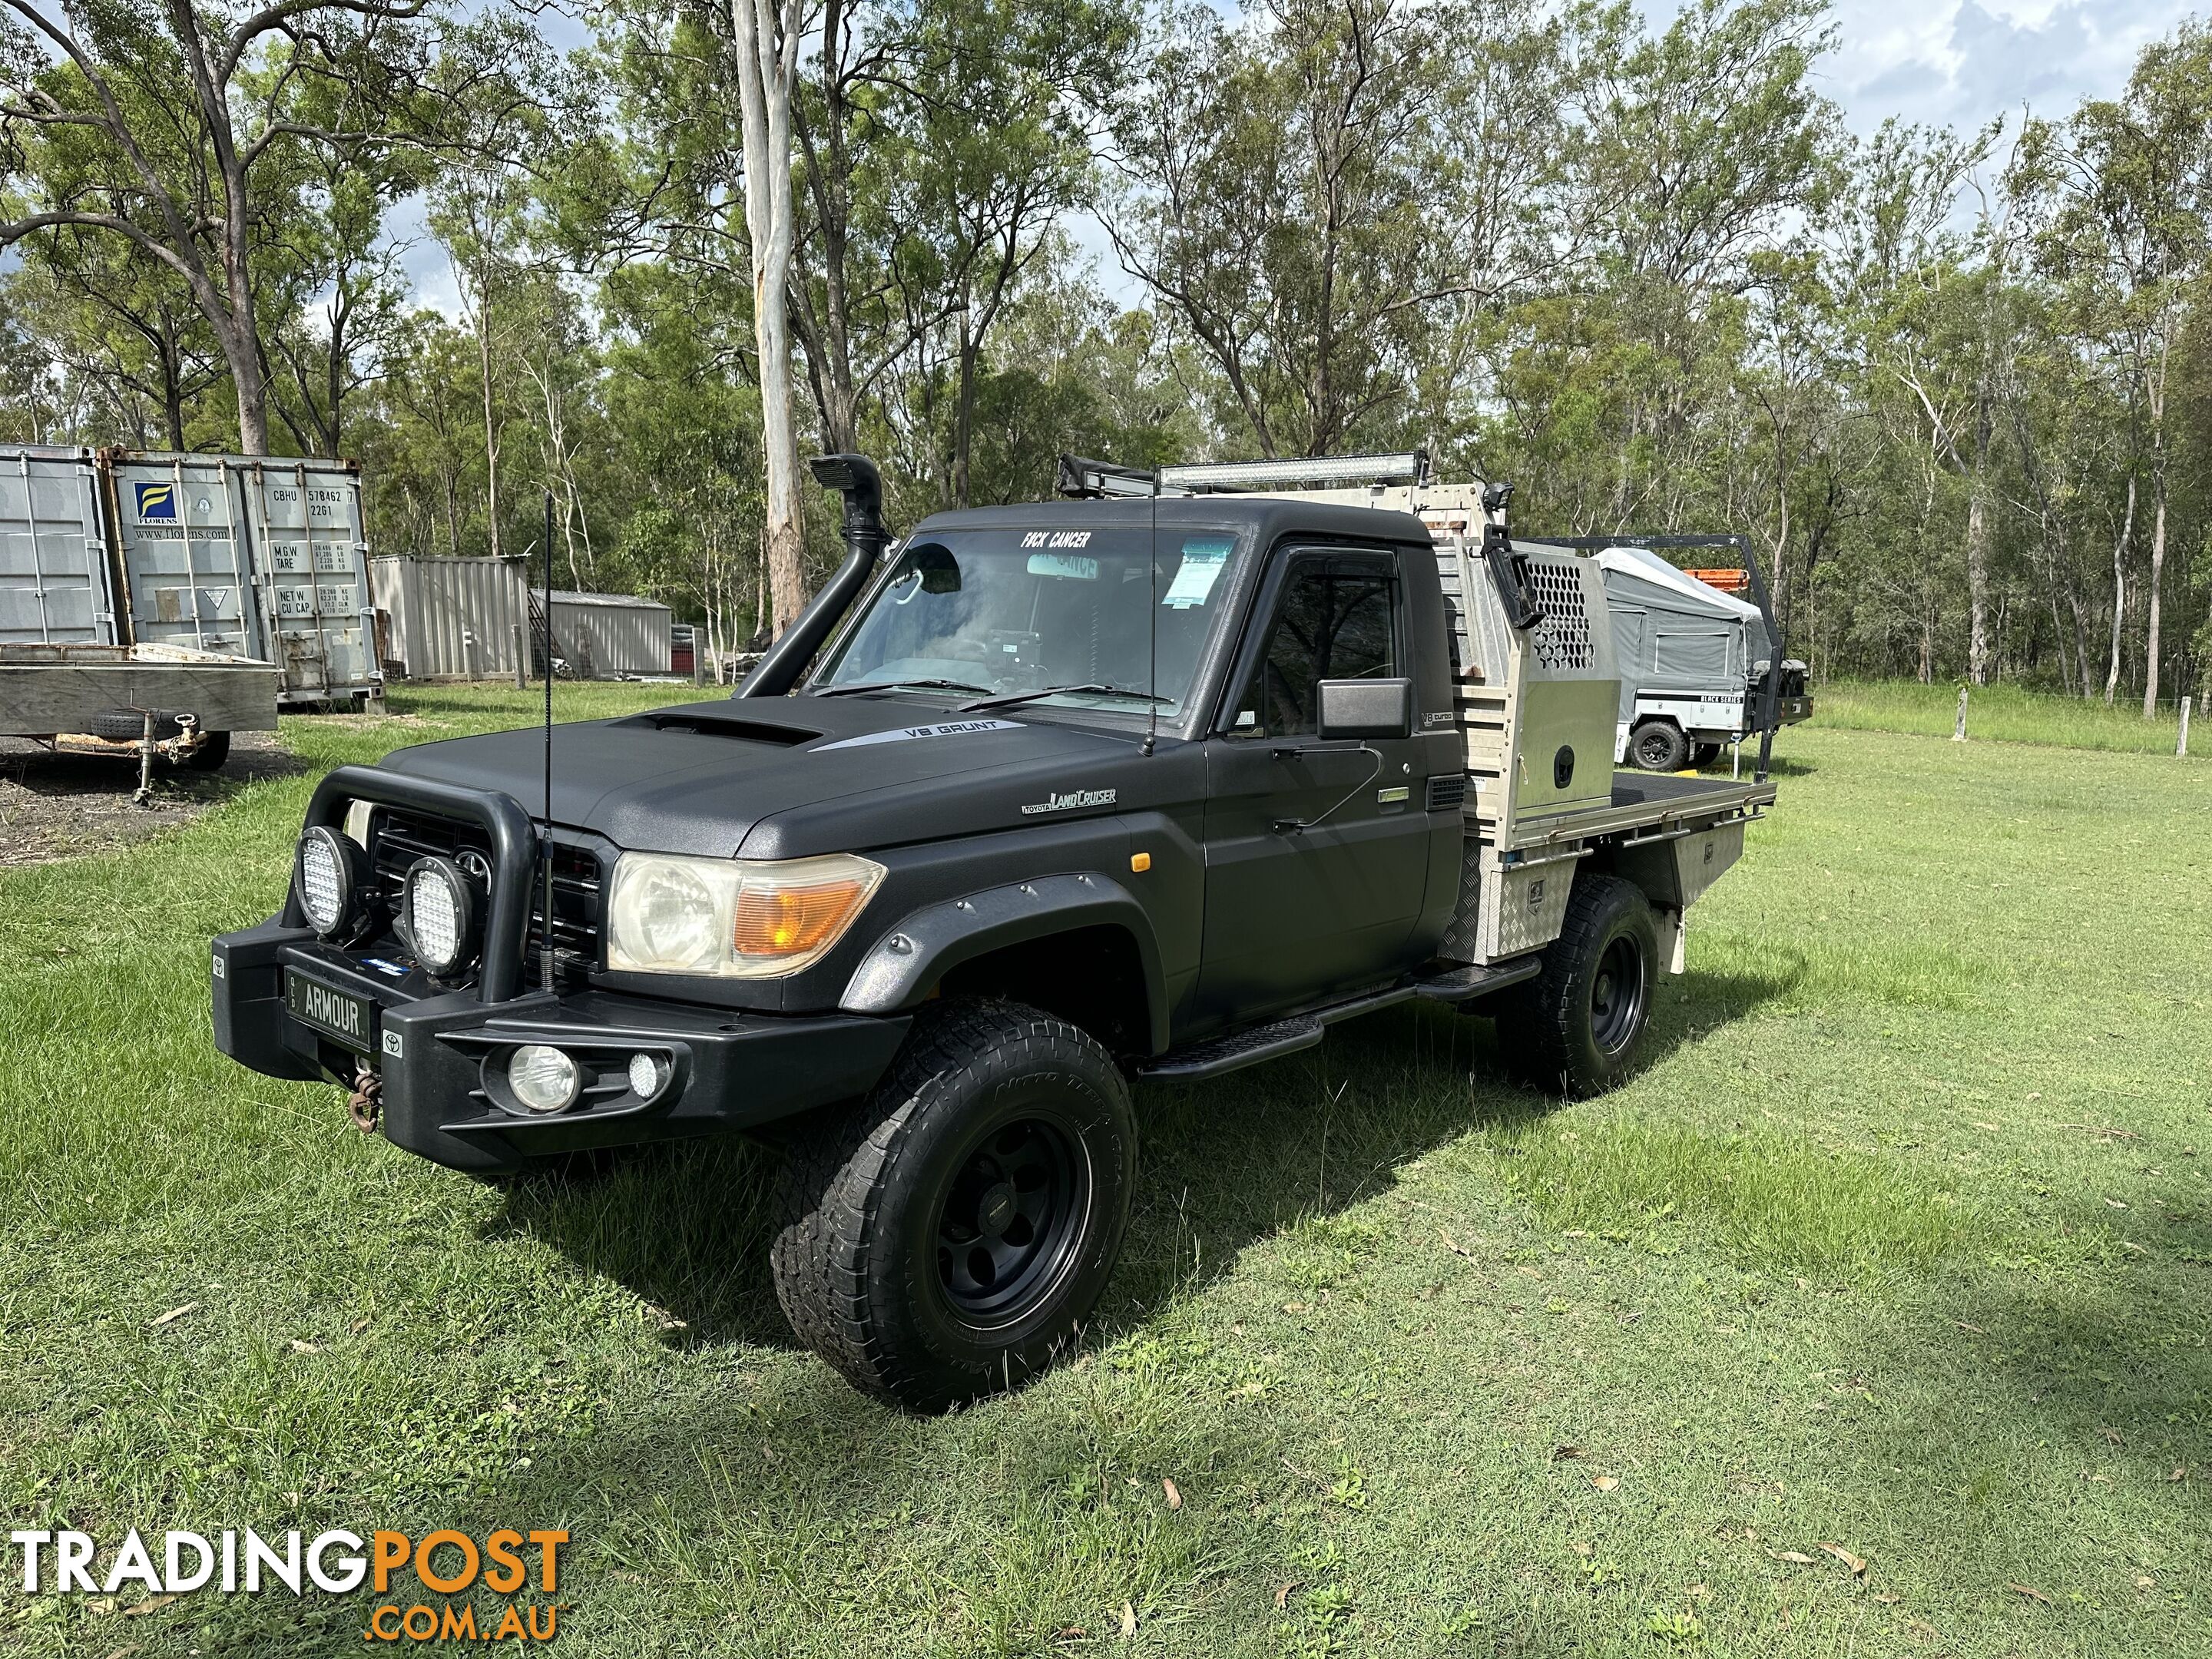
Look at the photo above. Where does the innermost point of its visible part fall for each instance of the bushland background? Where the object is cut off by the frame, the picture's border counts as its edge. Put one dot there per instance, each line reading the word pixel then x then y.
pixel 1956 384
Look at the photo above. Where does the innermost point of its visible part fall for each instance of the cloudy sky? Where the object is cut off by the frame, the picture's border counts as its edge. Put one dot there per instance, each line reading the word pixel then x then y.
pixel 1938 62
pixel 1959 62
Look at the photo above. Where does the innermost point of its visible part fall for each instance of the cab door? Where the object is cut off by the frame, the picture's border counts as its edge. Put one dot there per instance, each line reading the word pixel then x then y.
pixel 1316 854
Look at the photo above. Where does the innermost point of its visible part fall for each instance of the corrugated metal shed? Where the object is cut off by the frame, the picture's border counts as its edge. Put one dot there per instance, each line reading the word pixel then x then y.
pixel 457 619
pixel 603 635
pixel 451 619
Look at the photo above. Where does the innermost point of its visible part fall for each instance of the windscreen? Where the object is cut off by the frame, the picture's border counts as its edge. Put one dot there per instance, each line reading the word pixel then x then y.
pixel 1013 610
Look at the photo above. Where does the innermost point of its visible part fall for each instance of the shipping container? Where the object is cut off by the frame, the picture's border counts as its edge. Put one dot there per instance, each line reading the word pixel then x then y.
pixel 451 619
pixel 602 635
pixel 71 671
pixel 54 573
pixel 248 556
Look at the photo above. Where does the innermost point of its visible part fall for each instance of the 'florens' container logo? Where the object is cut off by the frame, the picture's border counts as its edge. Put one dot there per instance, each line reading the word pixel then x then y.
pixel 445 1562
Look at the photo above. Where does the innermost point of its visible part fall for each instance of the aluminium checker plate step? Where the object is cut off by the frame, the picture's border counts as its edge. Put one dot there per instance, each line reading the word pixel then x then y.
pixel 1216 1056
pixel 1227 1053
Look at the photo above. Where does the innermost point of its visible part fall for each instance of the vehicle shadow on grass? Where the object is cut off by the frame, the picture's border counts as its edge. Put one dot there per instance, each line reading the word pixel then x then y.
pixel 1234 1162
pixel 1224 1164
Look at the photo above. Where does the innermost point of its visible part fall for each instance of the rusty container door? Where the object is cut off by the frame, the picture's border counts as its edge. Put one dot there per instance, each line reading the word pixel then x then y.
pixel 305 518
pixel 252 556
pixel 189 577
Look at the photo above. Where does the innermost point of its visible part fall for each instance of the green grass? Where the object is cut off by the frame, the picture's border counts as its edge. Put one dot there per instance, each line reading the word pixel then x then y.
pixel 1902 1243
pixel 2002 714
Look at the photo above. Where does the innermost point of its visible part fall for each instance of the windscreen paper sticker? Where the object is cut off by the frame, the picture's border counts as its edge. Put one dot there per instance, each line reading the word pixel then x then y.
pixel 1203 561
pixel 906 733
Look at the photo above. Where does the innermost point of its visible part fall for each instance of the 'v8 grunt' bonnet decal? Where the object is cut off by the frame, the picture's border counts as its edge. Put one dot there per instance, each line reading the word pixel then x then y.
pixel 905 733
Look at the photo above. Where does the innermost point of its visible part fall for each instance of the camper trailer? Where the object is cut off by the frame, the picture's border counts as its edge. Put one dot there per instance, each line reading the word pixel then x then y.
pixel 1693 662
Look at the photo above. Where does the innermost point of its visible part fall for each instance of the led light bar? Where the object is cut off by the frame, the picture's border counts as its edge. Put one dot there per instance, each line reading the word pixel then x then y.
pixel 1410 468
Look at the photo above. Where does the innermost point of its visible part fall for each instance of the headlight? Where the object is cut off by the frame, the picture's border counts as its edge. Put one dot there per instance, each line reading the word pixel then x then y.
pixel 326 874
pixel 732 918
pixel 441 915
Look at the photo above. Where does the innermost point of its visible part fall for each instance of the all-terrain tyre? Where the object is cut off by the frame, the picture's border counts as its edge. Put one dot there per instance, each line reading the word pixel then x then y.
pixel 1702 754
pixel 947 1237
pixel 1575 1030
pixel 1658 746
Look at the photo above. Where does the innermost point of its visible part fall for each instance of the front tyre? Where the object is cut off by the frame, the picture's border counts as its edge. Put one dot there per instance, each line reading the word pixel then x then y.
pixel 1576 1027
pixel 947 1237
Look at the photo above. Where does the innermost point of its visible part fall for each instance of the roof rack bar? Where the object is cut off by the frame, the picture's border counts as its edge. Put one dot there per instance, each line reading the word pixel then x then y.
pixel 1088 480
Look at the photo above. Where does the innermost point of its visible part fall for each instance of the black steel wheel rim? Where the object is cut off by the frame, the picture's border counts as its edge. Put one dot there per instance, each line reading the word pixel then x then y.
pixel 1654 750
pixel 1011 1221
pixel 1617 994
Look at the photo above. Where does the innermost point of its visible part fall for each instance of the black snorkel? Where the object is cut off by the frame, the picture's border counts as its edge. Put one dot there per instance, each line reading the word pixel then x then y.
pixel 855 477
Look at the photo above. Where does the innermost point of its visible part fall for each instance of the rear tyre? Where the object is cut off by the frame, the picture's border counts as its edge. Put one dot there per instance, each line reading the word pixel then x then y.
pixel 214 750
pixel 1658 746
pixel 1702 754
pixel 1576 1028
pixel 947 1237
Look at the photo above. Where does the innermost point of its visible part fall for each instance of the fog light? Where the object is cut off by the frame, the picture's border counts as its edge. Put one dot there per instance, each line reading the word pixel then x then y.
pixel 543 1079
pixel 644 1076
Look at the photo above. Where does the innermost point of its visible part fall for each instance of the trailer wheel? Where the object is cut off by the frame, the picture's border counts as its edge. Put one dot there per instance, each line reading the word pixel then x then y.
pixel 1658 746
pixel 947 1237
pixel 1702 754
pixel 1576 1026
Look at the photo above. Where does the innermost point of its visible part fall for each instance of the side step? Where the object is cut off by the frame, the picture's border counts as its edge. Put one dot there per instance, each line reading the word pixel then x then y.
pixel 1465 984
pixel 1225 1053
pixel 1216 1056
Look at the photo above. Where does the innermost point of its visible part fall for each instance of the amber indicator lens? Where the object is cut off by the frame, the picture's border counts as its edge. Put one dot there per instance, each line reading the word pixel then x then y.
pixel 783 921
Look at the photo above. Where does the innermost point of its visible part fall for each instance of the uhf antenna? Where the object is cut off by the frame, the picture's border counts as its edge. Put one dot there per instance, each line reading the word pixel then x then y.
pixel 1152 624
pixel 545 937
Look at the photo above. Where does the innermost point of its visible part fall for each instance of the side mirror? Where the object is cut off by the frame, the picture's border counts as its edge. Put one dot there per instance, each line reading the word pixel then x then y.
pixel 1366 708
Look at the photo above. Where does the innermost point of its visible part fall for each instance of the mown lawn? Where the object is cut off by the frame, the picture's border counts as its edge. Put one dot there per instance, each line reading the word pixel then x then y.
pixel 2007 714
pixel 1902 1244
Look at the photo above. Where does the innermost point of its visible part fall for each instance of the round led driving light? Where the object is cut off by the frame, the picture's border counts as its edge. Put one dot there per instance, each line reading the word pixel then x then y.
pixel 441 914
pixel 324 875
pixel 544 1078
pixel 644 1075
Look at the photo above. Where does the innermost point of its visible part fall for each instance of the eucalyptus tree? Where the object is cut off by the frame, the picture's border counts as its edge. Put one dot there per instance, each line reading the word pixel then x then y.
pixel 162 125
pixel 1286 197
pixel 119 323
pixel 2135 233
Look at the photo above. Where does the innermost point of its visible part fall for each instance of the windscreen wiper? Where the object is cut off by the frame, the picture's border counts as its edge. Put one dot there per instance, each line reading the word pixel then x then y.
pixel 859 686
pixel 1097 689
